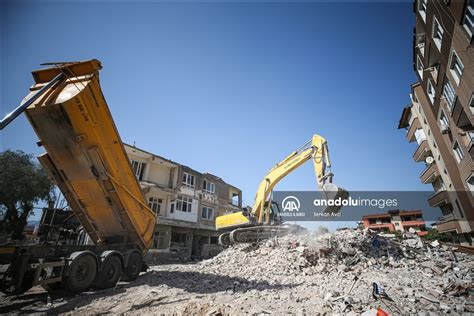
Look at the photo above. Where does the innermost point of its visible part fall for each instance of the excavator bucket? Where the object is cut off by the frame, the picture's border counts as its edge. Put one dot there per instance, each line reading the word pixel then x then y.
pixel 333 192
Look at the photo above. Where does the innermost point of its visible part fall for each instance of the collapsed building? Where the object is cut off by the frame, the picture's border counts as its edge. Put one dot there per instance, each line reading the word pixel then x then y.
pixel 186 203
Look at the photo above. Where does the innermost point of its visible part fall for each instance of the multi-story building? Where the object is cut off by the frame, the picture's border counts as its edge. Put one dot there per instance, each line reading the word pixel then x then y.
pixel 186 203
pixel 396 220
pixel 440 117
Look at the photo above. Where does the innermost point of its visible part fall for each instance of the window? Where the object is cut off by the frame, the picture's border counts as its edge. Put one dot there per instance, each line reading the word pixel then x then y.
pixel 444 123
pixel 471 103
pixel 448 94
pixel 159 240
pixel 155 204
pixel 470 136
pixel 138 169
pixel 422 8
pixel 206 212
pixel 178 238
pixel 468 21
pixel 470 184
pixel 208 186
pixel 443 120
pixel 188 180
pixel 456 67
pixel 431 91
pixel 419 66
pixel 437 33
pixel 458 152
pixel 184 204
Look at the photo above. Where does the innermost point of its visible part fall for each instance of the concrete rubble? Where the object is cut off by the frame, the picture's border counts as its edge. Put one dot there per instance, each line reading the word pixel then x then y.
pixel 348 271
pixel 339 270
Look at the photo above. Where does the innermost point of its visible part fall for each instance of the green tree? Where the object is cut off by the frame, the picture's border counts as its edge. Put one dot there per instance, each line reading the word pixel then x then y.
pixel 433 234
pixel 22 184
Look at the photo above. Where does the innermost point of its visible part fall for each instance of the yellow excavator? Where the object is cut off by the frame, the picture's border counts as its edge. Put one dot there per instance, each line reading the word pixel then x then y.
pixel 262 221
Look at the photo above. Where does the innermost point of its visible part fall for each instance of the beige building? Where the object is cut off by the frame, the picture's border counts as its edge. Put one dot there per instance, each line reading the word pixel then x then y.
pixel 186 203
pixel 440 116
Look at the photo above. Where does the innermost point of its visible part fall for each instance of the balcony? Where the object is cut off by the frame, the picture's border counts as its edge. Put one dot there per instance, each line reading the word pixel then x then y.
pixel 414 223
pixel 422 151
pixel 429 174
pixel 438 198
pixel 388 226
pixel 448 223
pixel 460 117
pixel 415 124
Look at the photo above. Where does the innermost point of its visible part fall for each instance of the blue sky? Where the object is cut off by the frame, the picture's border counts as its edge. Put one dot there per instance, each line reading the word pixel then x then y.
pixel 232 88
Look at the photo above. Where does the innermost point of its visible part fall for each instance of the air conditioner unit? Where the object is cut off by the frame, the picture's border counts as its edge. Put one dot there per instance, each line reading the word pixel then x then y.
pixel 445 129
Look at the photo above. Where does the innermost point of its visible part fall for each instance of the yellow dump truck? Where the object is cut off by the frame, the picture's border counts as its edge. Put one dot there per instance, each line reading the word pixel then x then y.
pixel 85 156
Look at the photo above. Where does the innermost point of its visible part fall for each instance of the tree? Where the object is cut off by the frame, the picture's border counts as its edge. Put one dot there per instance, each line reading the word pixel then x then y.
pixel 22 184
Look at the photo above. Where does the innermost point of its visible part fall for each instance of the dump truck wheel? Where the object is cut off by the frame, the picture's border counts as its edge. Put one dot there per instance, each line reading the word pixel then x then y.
pixel 82 272
pixel 133 268
pixel 110 273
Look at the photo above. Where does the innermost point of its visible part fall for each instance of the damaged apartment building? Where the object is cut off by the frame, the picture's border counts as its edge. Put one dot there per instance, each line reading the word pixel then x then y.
pixel 440 117
pixel 186 203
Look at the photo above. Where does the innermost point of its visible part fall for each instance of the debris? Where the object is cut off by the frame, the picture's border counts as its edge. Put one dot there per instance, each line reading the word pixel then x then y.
pixel 331 273
pixel 379 293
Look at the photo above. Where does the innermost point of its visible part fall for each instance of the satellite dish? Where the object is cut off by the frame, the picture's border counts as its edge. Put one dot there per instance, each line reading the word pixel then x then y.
pixel 429 160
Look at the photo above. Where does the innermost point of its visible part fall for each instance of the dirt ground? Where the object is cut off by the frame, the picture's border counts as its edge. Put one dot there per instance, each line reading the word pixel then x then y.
pixel 184 289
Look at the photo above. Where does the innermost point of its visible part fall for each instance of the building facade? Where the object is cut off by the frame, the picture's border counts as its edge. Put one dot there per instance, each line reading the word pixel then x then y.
pixel 440 117
pixel 186 203
pixel 396 220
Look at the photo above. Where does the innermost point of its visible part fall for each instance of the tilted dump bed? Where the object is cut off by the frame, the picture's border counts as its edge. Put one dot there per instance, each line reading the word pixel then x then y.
pixel 85 155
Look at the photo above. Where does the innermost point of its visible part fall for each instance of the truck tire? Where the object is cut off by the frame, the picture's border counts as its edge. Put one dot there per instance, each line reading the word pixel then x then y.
pixel 110 272
pixel 133 268
pixel 82 271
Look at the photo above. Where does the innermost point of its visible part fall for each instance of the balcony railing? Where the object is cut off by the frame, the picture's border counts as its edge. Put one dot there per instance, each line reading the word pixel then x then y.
pixel 421 152
pixel 448 223
pixel 438 198
pixel 381 225
pixel 414 223
pixel 447 218
pixel 429 174
pixel 414 125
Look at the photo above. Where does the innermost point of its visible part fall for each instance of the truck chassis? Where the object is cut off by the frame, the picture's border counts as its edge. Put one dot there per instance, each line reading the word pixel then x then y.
pixel 73 268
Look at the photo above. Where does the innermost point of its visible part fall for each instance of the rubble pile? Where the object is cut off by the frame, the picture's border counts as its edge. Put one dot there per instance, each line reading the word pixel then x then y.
pixel 349 269
pixel 346 272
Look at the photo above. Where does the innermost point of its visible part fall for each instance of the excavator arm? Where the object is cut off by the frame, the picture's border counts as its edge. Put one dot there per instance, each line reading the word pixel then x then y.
pixel 317 150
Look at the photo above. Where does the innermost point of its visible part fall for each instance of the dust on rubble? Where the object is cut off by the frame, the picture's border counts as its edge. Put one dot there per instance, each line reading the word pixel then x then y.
pixel 349 271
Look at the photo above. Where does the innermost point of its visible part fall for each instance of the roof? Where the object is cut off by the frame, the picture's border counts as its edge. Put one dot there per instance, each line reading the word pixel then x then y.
pixel 186 168
pixel 149 153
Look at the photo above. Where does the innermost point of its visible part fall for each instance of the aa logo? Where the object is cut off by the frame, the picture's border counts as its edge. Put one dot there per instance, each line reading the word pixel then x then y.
pixel 291 204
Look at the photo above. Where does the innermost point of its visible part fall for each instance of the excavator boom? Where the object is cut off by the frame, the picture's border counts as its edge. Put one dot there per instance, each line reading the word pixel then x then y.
pixel 261 213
